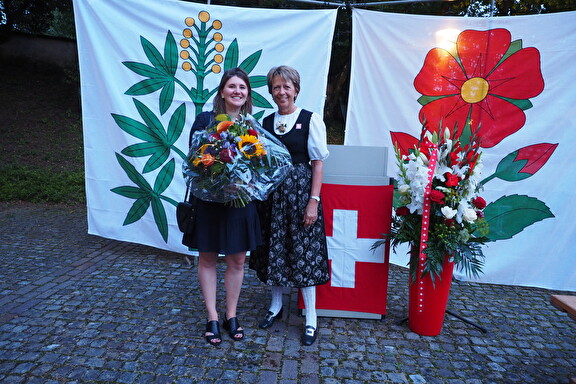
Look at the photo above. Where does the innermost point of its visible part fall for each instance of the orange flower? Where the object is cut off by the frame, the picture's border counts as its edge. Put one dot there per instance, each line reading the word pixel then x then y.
pixel 207 159
pixel 224 125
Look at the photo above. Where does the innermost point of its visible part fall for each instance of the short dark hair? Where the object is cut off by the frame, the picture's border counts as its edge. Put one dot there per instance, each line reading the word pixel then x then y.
pixel 220 105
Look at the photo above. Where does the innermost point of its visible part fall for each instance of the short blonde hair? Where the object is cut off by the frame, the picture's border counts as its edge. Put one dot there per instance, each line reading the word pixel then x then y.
pixel 286 73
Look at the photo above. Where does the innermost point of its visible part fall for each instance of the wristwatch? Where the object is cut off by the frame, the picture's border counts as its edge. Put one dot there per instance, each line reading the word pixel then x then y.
pixel 317 198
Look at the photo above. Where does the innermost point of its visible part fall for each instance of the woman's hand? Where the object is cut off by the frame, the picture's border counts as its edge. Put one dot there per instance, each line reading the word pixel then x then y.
pixel 310 213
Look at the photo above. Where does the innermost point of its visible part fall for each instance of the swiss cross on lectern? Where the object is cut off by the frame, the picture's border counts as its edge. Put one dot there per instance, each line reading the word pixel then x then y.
pixel 355 217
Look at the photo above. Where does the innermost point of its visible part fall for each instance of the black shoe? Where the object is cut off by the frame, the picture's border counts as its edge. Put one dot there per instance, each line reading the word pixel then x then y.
pixel 213 327
pixel 268 320
pixel 232 325
pixel 309 335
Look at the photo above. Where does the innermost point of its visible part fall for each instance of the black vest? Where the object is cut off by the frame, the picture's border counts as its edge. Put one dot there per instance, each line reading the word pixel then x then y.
pixel 297 139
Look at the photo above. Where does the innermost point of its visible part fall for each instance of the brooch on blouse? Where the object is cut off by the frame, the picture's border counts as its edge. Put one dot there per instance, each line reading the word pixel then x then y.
pixel 281 127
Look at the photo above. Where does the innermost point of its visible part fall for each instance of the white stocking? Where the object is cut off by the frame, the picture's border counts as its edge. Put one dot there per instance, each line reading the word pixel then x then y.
pixel 276 304
pixel 309 296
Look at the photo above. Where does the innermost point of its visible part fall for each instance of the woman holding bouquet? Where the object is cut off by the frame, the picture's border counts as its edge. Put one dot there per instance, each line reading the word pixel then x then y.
pixel 294 253
pixel 222 228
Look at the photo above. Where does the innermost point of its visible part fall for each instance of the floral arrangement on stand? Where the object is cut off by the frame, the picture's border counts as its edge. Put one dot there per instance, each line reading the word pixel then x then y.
pixel 456 226
pixel 235 162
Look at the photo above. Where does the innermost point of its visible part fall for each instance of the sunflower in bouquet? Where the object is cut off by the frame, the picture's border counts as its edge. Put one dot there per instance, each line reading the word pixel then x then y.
pixel 235 162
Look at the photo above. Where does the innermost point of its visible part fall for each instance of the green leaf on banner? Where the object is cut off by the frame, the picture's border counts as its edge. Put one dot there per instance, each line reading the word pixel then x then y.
pixel 176 124
pixel 510 215
pixel 151 121
pixel 166 97
pixel 134 127
pixel 157 159
pixel 133 174
pixel 137 210
pixel 143 69
pixel 258 116
pixel 164 177
pixel 142 149
pixel 231 59
pixel 522 104
pixel 130 192
pixel 258 81
pixel 509 170
pixel 171 53
pixel 146 86
pixel 260 101
pixel 153 55
pixel 250 62
pixel 160 218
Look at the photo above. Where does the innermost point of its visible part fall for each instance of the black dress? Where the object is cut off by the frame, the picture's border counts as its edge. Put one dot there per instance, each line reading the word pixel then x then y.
pixel 219 227
pixel 292 255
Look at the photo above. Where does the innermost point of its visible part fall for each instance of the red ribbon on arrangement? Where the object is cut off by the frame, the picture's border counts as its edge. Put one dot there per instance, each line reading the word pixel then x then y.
pixel 425 221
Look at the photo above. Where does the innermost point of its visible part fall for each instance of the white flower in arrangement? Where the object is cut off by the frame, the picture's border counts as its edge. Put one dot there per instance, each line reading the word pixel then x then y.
pixel 448 212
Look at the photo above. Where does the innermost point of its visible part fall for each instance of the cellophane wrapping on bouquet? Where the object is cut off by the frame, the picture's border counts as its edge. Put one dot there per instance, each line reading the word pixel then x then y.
pixel 235 162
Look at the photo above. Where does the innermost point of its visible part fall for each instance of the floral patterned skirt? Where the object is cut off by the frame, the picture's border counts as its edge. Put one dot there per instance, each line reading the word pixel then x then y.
pixel 292 255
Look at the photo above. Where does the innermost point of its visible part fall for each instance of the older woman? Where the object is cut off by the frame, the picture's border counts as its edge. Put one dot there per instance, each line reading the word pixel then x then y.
pixel 294 253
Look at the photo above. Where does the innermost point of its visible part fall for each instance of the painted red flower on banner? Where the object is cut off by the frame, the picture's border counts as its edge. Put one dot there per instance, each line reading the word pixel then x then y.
pixel 483 84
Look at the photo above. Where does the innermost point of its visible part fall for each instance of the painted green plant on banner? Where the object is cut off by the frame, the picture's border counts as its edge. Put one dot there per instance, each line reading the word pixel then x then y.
pixel 199 53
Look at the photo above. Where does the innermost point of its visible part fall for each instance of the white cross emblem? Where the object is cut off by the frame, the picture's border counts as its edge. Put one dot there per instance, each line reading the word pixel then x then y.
pixel 345 249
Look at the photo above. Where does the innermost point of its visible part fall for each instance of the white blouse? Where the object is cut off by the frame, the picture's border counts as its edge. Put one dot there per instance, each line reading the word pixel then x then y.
pixel 317 143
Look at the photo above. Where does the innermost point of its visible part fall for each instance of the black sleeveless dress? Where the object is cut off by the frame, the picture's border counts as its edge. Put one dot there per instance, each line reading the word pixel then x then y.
pixel 219 227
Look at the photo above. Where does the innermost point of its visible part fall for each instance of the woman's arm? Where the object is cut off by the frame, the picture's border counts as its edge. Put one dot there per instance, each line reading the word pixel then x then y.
pixel 311 211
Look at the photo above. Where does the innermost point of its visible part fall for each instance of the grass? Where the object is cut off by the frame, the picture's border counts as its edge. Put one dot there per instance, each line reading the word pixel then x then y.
pixel 25 183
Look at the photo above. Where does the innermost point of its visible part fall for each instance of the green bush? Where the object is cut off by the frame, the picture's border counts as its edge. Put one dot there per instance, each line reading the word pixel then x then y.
pixel 21 183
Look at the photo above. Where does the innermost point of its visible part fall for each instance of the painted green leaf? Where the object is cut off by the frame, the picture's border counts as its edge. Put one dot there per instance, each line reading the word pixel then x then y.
pixel 143 69
pixel 171 53
pixel 231 59
pixel 522 104
pixel 260 101
pixel 157 159
pixel 258 115
pixel 166 97
pixel 514 47
pixel 510 215
pixel 137 210
pixel 134 127
pixel 130 192
pixel 164 177
pixel 142 149
pixel 132 173
pixel 153 55
pixel 509 170
pixel 176 124
pixel 160 218
pixel 423 100
pixel 146 86
pixel 258 81
pixel 151 120
pixel 250 62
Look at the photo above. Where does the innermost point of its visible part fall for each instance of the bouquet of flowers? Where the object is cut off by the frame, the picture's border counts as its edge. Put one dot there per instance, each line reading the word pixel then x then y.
pixel 235 162
pixel 456 225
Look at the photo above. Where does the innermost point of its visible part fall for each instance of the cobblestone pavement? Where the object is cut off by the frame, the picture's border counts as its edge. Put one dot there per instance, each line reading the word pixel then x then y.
pixel 80 308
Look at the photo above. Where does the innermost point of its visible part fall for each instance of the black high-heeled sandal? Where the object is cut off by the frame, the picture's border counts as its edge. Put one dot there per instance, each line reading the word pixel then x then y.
pixel 213 327
pixel 232 325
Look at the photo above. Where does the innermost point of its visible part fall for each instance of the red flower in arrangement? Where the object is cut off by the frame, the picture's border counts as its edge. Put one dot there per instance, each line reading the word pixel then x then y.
pixel 402 211
pixel 485 82
pixel 451 180
pixel 436 196
pixel 253 132
pixel 479 202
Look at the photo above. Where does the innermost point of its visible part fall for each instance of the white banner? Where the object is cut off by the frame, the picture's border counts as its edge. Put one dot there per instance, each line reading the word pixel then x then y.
pixel 147 68
pixel 513 75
